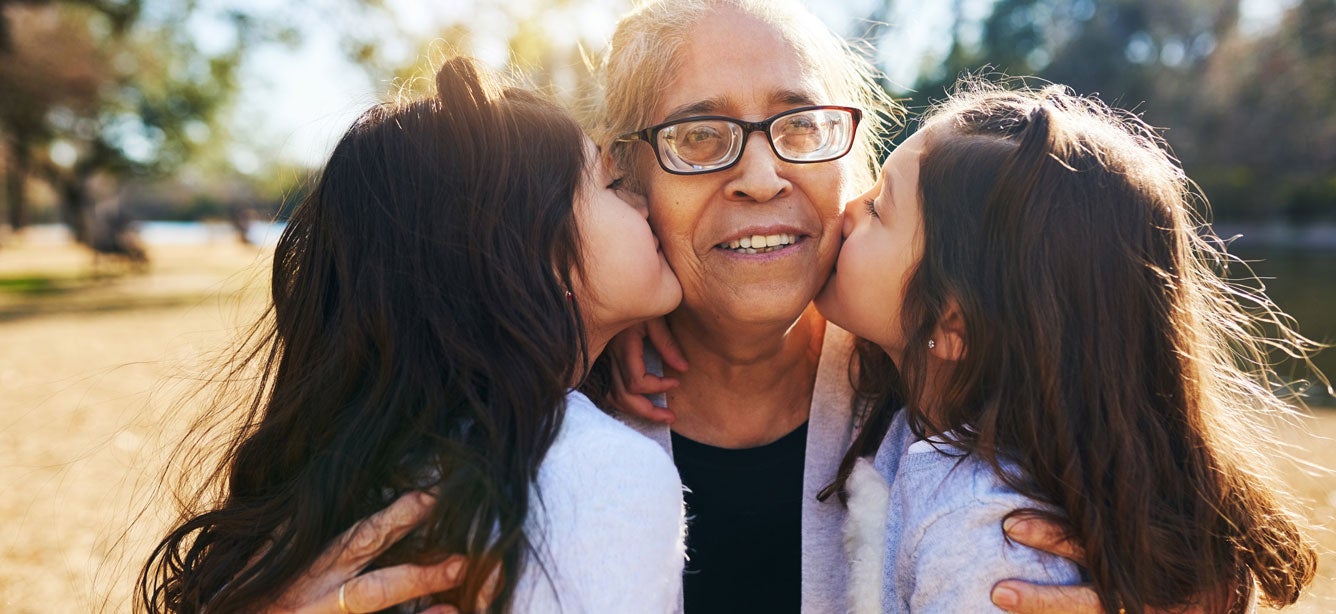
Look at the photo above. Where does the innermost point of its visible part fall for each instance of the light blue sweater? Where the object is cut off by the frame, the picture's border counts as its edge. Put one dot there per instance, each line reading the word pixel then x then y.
pixel 944 546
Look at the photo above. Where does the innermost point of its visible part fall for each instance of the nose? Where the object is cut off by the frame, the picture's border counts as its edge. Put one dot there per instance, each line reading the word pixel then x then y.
pixel 848 221
pixel 756 176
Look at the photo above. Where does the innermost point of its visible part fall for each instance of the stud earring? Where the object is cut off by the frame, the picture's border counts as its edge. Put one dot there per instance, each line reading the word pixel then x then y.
pixel 931 344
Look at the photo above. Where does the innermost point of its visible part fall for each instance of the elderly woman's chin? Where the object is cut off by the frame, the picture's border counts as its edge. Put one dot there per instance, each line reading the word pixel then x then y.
pixel 761 302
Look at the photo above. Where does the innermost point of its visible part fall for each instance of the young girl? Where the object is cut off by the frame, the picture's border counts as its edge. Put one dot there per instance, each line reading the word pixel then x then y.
pixel 454 271
pixel 1030 263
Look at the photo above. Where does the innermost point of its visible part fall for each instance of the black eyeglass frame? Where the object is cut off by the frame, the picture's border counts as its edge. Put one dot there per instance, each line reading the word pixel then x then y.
pixel 650 135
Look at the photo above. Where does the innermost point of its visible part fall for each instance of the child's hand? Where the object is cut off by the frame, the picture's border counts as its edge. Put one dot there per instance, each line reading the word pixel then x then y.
pixel 631 381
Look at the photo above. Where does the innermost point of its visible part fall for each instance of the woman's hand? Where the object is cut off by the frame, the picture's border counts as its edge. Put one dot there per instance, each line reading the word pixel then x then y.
pixel 1026 598
pixel 631 381
pixel 334 584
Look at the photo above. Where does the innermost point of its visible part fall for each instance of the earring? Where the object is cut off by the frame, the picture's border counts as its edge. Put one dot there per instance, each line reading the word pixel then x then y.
pixel 931 344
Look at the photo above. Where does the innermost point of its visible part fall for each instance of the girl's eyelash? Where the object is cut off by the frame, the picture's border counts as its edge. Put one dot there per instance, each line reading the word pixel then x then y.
pixel 616 183
pixel 871 206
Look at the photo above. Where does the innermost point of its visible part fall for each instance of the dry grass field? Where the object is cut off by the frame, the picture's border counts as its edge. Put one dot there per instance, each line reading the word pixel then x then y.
pixel 91 373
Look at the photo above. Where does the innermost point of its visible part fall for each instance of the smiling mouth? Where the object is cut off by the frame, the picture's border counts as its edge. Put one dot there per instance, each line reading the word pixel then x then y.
pixel 759 244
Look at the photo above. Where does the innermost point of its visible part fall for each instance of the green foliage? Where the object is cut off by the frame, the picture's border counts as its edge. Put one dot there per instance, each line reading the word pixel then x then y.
pixel 1311 200
pixel 1233 190
pixel 123 89
pixel 546 46
pixel 31 285
pixel 1252 114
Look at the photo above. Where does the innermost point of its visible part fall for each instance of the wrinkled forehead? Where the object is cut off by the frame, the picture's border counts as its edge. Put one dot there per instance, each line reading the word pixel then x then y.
pixel 733 63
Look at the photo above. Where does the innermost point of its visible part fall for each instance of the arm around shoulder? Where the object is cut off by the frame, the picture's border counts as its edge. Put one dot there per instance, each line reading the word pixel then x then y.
pixel 952 563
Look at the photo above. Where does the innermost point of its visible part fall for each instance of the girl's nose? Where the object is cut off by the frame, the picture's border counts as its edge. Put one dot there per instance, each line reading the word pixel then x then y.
pixel 847 224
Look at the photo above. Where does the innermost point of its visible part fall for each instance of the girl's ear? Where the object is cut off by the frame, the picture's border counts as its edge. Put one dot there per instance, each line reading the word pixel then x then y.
pixel 948 338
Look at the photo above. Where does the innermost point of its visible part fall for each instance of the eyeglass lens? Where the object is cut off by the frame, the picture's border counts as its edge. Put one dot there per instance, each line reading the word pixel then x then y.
pixel 813 135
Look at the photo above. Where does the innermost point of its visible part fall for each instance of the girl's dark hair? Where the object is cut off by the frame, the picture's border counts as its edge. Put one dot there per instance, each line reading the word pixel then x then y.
pixel 1104 354
pixel 421 337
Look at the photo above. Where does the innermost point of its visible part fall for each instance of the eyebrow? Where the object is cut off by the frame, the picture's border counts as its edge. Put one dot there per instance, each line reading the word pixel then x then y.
pixel 709 106
pixel 713 106
pixel 793 97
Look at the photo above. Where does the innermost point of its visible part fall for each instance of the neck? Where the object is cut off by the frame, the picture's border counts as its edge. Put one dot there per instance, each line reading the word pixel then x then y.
pixel 748 385
pixel 929 405
pixel 595 342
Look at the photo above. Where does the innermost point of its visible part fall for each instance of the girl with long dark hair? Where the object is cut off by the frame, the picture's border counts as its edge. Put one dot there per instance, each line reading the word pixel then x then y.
pixel 1038 294
pixel 457 267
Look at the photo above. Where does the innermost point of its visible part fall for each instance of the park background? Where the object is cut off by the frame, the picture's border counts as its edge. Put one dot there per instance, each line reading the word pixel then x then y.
pixel 149 132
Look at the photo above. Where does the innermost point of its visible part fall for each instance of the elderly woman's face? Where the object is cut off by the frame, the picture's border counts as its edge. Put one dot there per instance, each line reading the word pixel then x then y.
pixel 738 67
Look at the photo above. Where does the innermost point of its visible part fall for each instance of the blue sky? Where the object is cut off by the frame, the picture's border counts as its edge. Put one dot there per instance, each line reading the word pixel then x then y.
pixel 296 101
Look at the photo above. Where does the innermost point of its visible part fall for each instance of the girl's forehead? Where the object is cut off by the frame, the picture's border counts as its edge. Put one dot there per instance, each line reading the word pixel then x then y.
pixel 910 148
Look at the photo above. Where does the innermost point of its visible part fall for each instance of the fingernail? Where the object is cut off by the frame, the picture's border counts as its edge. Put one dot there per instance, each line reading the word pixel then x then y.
pixel 1011 524
pixel 1004 597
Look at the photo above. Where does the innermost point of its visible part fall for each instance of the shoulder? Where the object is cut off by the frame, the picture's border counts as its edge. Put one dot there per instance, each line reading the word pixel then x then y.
pixel 607 522
pixel 592 434
pixel 937 482
pixel 594 450
pixel 952 547
pixel 955 479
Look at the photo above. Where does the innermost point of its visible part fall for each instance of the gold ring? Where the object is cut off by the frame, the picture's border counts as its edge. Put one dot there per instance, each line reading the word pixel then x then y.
pixel 343 602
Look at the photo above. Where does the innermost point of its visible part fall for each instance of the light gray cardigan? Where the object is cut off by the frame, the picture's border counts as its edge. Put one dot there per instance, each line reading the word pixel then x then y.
pixel 829 429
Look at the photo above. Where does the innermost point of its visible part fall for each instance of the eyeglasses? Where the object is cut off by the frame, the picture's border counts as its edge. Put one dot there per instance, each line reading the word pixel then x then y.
pixel 695 145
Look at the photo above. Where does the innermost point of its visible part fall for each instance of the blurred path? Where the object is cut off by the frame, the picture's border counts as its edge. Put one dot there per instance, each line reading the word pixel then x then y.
pixel 90 370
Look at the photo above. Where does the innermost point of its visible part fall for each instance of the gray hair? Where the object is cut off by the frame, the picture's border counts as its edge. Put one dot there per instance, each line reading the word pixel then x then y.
pixel 645 52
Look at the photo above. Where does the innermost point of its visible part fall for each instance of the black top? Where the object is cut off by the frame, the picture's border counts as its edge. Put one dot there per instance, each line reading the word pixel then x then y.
pixel 744 525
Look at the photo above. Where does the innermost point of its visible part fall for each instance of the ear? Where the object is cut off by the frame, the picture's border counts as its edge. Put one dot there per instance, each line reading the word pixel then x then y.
pixel 948 337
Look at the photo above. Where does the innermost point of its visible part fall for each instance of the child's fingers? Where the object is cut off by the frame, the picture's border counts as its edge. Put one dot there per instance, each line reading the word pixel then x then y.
pixel 627 351
pixel 663 340
pixel 637 404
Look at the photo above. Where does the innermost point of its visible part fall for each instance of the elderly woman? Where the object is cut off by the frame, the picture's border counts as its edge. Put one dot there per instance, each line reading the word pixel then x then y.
pixel 734 119
pixel 748 125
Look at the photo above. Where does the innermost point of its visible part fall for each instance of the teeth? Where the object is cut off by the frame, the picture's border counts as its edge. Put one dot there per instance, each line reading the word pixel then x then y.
pixel 759 244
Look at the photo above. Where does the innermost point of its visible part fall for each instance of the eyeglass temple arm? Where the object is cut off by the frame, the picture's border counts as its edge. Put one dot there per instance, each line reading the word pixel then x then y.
pixel 633 136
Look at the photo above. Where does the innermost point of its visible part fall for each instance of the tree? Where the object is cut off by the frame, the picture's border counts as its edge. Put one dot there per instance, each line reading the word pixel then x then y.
pixel 1251 114
pixel 121 87
pixel 542 40
pixel 37 81
pixel 1265 141
pixel 96 90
